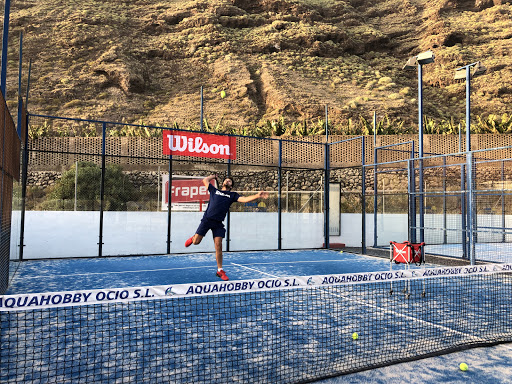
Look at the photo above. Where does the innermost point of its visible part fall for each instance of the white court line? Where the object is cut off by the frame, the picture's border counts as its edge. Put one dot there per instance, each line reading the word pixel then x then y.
pixel 171 269
pixel 255 270
pixel 294 262
pixel 385 310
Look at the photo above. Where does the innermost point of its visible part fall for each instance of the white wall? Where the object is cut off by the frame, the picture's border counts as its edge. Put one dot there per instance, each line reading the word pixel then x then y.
pixel 391 227
pixel 76 234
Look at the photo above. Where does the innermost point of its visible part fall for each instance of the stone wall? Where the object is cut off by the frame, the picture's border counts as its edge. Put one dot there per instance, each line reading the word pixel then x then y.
pixel 308 180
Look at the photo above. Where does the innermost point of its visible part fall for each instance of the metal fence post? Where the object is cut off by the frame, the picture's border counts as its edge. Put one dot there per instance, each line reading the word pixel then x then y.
pixel 363 197
pixel 412 189
pixel 471 211
pixel 102 187
pixel 326 196
pixel 20 99
pixel 503 236
pixel 410 193
pixel 5 43
pixel 463 210
pixel 279 186
pixel 445 222
pixel 201 112
pixel 24 174
pixel 375 197
pixel 228 220
pixel 169 203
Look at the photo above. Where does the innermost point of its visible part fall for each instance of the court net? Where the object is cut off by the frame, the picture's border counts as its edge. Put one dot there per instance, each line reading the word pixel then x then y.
pixel 278 330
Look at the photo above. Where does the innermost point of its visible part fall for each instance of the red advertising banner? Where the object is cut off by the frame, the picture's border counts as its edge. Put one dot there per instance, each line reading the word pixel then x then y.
pixel 188 194
pixel 199 145
pixel 186 191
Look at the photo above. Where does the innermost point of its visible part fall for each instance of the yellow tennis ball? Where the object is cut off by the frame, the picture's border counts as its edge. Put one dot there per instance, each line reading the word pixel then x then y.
pixel 463 367
pixel 355 336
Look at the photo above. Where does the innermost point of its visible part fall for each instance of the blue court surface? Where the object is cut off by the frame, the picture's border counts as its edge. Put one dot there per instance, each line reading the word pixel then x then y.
pixel 260 337
pixel 120 272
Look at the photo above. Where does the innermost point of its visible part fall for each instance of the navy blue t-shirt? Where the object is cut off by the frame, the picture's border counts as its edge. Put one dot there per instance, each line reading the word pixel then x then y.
pixel 219 204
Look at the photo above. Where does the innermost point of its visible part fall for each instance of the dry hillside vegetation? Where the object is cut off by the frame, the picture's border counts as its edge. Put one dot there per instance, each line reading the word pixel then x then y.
pixel 145 60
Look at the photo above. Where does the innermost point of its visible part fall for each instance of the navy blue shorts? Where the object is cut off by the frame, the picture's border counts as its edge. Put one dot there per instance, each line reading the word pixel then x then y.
pixel 217 228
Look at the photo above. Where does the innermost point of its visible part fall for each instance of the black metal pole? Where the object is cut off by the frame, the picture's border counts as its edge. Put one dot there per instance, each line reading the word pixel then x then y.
pixel 503 202
pixel 28 83
pixel 201 112
pixel 412 212
pixel 228 222
pixel 279 207
pixel 5 43
pixel 445 221
pixel 24 175
pixel 326 196
pixel 463 210
pixel 102 187
pixel 169 202
pixel 375 197
pixel 412 189
pixel 20 99
pixel 363 198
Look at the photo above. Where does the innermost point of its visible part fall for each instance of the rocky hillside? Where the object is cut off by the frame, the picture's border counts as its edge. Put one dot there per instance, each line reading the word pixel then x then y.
pixel 145 60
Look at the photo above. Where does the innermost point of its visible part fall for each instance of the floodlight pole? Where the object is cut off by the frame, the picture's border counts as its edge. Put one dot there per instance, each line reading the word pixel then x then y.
pixel 468 108
pixel 471 211
pixel 469 160
pixel 420 152
pixel 419 60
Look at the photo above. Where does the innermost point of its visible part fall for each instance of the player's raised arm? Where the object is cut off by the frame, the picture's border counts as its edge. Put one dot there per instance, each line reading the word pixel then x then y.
pixel 207 179
pixel 259 195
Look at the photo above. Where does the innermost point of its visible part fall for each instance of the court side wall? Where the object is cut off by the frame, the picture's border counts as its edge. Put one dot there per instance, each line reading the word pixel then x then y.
pixel 50 234
pixel 76 234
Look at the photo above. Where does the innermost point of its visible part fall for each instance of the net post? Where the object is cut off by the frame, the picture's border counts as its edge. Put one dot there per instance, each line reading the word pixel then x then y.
pixel 102 186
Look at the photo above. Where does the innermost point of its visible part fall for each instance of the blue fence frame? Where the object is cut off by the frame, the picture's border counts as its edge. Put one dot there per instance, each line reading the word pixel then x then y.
pixel 228 163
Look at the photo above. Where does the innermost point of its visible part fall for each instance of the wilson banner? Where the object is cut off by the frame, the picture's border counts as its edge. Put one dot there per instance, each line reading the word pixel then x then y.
pixel 199 145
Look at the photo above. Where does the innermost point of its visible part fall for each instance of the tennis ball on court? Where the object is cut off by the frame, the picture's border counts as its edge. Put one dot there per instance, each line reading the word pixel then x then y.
pixel 355 336
pixel 463 367
pixel 223 94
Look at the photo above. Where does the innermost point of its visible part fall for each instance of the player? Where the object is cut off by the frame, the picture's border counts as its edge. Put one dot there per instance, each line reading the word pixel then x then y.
pixel 218 207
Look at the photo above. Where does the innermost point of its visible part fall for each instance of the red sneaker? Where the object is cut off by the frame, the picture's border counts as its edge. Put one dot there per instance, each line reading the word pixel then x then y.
pixel 222 275
pixel 189 242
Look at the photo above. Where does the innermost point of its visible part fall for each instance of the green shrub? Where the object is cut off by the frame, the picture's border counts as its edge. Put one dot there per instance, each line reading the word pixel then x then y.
pixel 118 189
